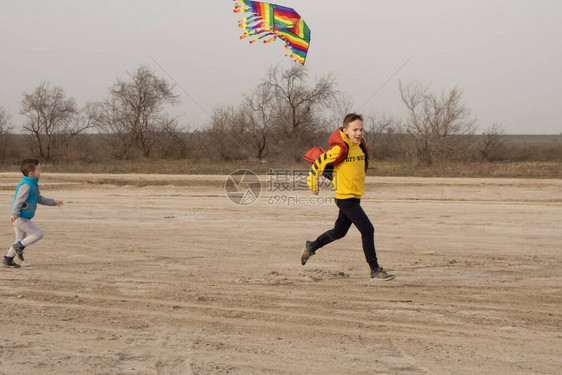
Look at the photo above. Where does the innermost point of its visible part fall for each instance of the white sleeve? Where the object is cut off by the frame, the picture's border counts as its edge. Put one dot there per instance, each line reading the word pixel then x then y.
pixel 20 199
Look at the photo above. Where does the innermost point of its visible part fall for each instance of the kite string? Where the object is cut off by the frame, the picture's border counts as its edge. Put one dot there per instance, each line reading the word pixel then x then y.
pixel 181 87
pixel 389 78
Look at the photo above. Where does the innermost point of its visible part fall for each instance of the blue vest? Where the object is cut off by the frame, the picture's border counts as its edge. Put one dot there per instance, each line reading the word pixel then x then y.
pixel 28 208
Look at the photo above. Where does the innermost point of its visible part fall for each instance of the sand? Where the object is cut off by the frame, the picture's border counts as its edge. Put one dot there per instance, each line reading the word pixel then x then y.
pixel 146 274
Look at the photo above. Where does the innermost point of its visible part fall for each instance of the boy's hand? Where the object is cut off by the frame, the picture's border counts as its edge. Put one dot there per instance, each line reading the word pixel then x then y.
pixel 59 203
pixel 315 192
pixel 13 218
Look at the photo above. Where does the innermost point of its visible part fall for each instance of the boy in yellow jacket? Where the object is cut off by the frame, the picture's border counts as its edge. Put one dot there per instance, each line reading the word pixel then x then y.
pixel 349 156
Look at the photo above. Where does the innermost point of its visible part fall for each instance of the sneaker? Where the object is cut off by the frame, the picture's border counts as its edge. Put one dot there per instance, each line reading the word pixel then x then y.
pixel 9 262
pixel 307 252
pixel 19 251
pixel 381 275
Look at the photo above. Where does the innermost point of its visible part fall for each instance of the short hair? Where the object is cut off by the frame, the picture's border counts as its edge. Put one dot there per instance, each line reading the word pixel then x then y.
pixel 28 166
pixel 349 118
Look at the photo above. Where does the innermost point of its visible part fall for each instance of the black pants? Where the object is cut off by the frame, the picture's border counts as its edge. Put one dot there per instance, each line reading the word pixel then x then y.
pixel 351 213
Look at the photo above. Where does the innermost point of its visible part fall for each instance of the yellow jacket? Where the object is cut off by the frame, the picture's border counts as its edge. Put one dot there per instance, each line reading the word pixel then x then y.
pixel 349 175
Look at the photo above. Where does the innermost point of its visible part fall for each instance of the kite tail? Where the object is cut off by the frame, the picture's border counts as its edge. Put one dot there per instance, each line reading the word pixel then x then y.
pixel 293 54
pixel 240 7
pixel 295 58
pixel 251 22
pixel 253 25
pixel 260 33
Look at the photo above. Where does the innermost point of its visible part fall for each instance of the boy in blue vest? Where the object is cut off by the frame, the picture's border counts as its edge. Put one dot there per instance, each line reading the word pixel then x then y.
pixel 26 198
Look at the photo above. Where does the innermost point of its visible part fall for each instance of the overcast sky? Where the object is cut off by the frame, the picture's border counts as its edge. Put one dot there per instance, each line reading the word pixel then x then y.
pixel 505 55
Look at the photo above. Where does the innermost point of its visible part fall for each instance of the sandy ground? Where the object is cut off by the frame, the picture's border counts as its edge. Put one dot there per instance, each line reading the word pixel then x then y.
pixel 164 275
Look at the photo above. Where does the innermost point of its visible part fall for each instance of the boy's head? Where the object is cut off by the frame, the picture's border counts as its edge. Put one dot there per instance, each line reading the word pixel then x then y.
pixel 31 168
pixel 353 127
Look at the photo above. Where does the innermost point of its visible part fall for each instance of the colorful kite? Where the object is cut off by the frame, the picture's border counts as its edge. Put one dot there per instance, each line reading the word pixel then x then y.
pixel 274 21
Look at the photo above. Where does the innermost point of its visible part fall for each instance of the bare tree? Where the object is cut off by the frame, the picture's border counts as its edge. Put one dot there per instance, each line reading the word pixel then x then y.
pixel 436 123
pixel 272 118
pixel 228 134
pixel 298 103
pixel 491 143
pixel 112 122
pixel 340 104
pixel 384 136
pixel 260 114
pixel 50 114
pixel 175 139
pixel 5 129
pixel 133 114
pixel 79 123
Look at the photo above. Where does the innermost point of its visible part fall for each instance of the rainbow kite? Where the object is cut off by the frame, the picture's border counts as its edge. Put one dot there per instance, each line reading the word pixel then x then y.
pixel 274 21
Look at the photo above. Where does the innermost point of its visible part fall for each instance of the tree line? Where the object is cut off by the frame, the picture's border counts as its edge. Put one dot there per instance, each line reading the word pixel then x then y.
pixel 284 115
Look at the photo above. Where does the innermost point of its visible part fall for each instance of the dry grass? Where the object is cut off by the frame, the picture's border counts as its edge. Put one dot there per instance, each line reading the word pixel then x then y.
pixel 460 169
pixel 377 168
